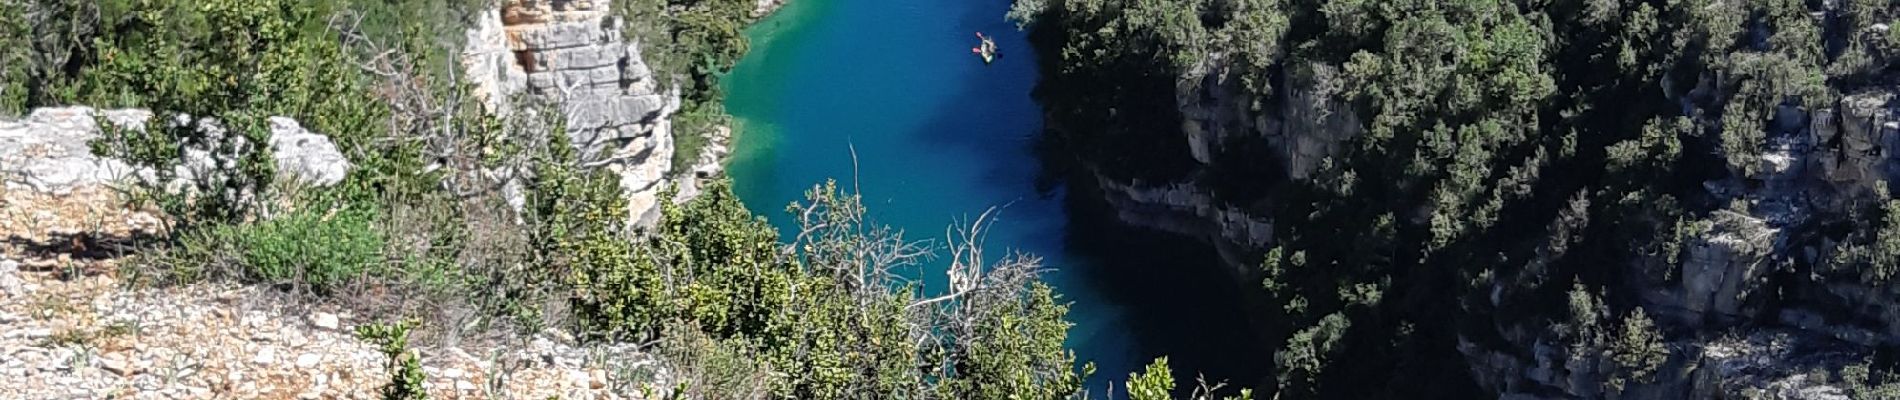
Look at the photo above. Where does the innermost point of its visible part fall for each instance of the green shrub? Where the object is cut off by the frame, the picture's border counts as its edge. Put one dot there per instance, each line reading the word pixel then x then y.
pixel 1639 350
pixel 1156 382
pixel 322 249
pixel 404 365
pixel 310 248
pixel 16 57
pixel 716 369
pixel 228 63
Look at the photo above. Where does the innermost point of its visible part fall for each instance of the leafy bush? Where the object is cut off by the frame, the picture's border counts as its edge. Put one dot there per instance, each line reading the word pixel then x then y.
pixel 829 317
pixel 312 247
pixel 406 378
pixel 1872 251
pixel 227 65
pixel 1639 349
pixel 1864 381
pixel 1156 382
pixel 16 57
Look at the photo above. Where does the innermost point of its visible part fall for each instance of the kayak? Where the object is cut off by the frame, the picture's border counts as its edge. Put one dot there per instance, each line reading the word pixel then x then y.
pixel 986 50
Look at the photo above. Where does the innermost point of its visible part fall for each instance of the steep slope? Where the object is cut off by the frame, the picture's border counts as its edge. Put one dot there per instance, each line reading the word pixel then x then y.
pixel 1565 199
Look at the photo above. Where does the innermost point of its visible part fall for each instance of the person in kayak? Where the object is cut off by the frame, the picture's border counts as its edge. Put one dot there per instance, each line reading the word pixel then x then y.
pixel 986 50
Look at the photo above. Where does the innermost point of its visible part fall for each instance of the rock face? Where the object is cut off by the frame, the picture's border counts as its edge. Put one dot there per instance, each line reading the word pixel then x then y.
pixel 1718 267
pixel 49 151
pixel 711 164
pixel 1301 129
pixel 571 54
pixel 1815 164
pixel 1307 126
pixel 1187 210
pixel 1764 364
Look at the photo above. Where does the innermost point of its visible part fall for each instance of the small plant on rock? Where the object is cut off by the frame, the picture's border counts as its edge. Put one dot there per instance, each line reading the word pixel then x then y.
pixel 404 365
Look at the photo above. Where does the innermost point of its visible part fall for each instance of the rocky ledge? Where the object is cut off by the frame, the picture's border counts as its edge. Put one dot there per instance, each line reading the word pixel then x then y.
pixel 49 151
pixel 72 328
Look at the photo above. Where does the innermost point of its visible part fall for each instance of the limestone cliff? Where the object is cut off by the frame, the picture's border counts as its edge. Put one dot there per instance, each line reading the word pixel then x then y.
pixel 571 54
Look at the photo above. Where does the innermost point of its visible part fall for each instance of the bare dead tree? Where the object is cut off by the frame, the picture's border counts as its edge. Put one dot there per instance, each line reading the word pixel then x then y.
pixel 835 235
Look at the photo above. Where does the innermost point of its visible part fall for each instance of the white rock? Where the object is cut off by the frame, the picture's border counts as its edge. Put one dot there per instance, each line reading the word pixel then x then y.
pixel 49 151
pixel 306 156
pixel 307 361
pixel 616 115
pixel 116 365
pixel 579 378
pixel 265 356
pixel 324 320
pixel 30 333
pixel 10 283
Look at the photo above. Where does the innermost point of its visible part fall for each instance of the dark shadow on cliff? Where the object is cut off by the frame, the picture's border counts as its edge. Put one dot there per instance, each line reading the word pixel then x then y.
pixel 1174 294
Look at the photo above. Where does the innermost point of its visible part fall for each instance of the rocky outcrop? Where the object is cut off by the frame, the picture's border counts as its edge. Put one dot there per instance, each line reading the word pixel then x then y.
pixel 1720 267
pixel 710 165
pixel 1301 129
pixel 1188 210
pixel 1768 363
pixel 49 151
pixel 1305 126
pixel 1815 165
pixel 572 55
pixel 766 7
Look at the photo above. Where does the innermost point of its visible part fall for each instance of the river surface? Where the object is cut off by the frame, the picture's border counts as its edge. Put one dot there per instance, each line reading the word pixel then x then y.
pixel 940 137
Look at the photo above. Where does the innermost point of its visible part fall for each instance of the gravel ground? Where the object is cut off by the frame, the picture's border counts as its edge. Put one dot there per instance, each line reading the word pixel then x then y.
pixel 71 329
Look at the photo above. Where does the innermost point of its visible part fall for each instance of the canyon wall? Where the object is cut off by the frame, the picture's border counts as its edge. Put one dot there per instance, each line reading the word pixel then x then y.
pixel 572 55
pixel 1754 305
pixel 1822 319
pixel 1743 330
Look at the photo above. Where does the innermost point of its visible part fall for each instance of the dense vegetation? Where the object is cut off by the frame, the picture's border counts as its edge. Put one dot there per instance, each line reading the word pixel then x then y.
pixel 1518 157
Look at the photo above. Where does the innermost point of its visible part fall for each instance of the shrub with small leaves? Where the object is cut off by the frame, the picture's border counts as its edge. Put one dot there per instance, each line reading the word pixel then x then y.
pixel 404 365
pixel 1156 382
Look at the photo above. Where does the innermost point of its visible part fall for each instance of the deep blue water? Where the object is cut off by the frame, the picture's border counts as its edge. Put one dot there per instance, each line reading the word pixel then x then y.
pixel 940 137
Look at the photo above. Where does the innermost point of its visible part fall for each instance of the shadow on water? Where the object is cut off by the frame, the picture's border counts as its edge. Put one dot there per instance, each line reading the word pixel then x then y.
pixel 1179 302
pixel 1138 294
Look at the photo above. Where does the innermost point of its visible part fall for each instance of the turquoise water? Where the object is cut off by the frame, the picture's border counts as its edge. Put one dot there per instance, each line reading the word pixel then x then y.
pixel 940 137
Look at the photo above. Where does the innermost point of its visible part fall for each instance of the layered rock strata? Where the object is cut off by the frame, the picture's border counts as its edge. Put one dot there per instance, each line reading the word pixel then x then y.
pixel 572 55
